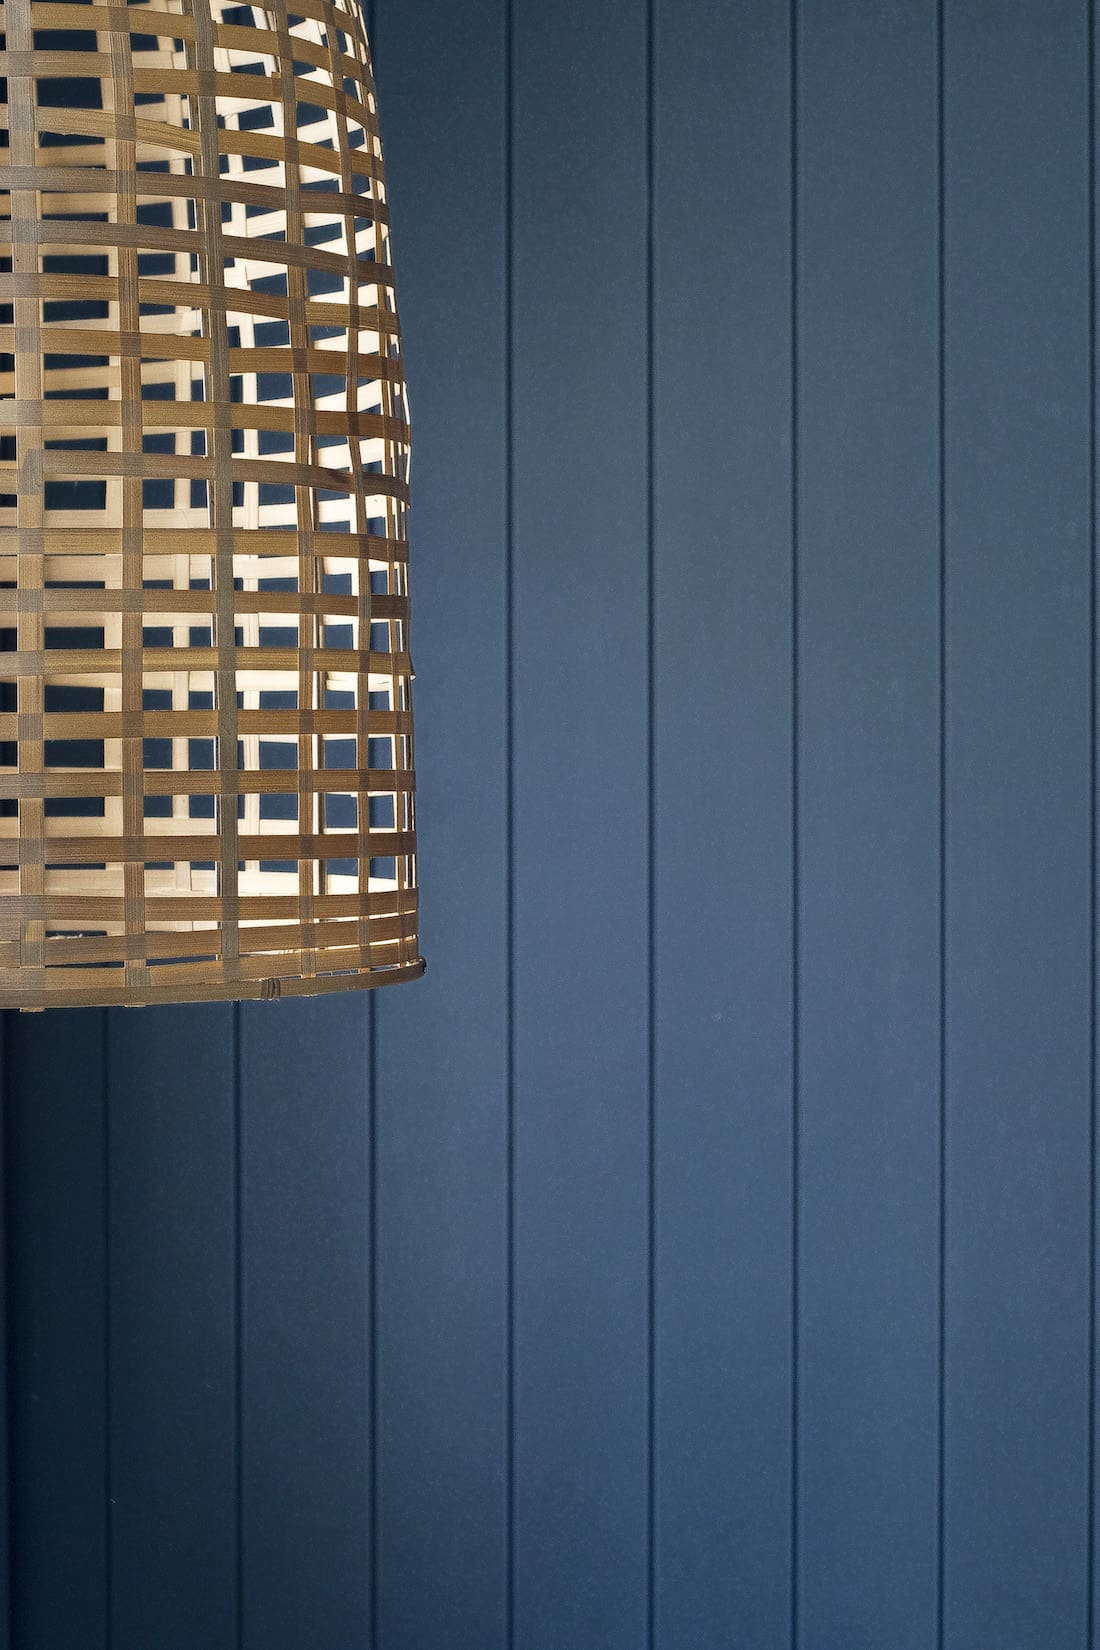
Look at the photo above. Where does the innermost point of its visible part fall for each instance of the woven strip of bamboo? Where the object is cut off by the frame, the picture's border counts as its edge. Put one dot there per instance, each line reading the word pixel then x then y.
pixel 207 778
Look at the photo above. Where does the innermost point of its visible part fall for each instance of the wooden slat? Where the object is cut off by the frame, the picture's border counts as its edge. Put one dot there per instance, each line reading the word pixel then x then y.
pixel 268 781
pixel 189 983
pixel 186 906
pixel 194 724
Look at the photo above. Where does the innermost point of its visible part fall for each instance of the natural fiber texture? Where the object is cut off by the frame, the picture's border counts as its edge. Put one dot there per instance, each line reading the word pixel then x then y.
pixel 207 776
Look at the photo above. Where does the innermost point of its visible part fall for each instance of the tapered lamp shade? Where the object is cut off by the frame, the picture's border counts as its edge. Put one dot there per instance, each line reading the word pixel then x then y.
pixel 206 767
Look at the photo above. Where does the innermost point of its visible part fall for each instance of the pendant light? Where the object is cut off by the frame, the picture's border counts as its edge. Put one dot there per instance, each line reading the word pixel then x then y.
pixel 206 742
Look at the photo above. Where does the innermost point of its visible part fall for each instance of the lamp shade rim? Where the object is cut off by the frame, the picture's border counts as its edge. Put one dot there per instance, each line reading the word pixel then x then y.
pixel 270 988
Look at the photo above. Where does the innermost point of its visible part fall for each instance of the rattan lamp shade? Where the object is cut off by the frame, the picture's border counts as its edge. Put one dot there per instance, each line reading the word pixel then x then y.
pixel 206 756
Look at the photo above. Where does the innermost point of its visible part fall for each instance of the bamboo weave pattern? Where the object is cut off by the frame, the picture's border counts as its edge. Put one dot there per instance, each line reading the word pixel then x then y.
pixel 206 753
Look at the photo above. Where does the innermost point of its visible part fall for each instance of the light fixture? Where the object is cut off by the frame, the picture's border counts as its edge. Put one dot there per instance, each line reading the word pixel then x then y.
pixel 206 751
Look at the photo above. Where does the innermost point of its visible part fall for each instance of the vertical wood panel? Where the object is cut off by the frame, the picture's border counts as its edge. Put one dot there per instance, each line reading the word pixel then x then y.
pixel 305 1371
pixel 581 840
pixel 172 1189
pixel 6 1261
pixel 723 825
pixel 57 1324
pixel 869 812
pixel 1093 1424
pixel 1018 824
pixel 442 1062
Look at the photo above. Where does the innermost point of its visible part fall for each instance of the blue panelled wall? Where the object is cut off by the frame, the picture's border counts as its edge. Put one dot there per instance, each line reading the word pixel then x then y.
pixel 703 1256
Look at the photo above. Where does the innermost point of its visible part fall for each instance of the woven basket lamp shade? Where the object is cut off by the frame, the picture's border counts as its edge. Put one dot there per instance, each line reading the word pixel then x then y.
pixel 206 751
